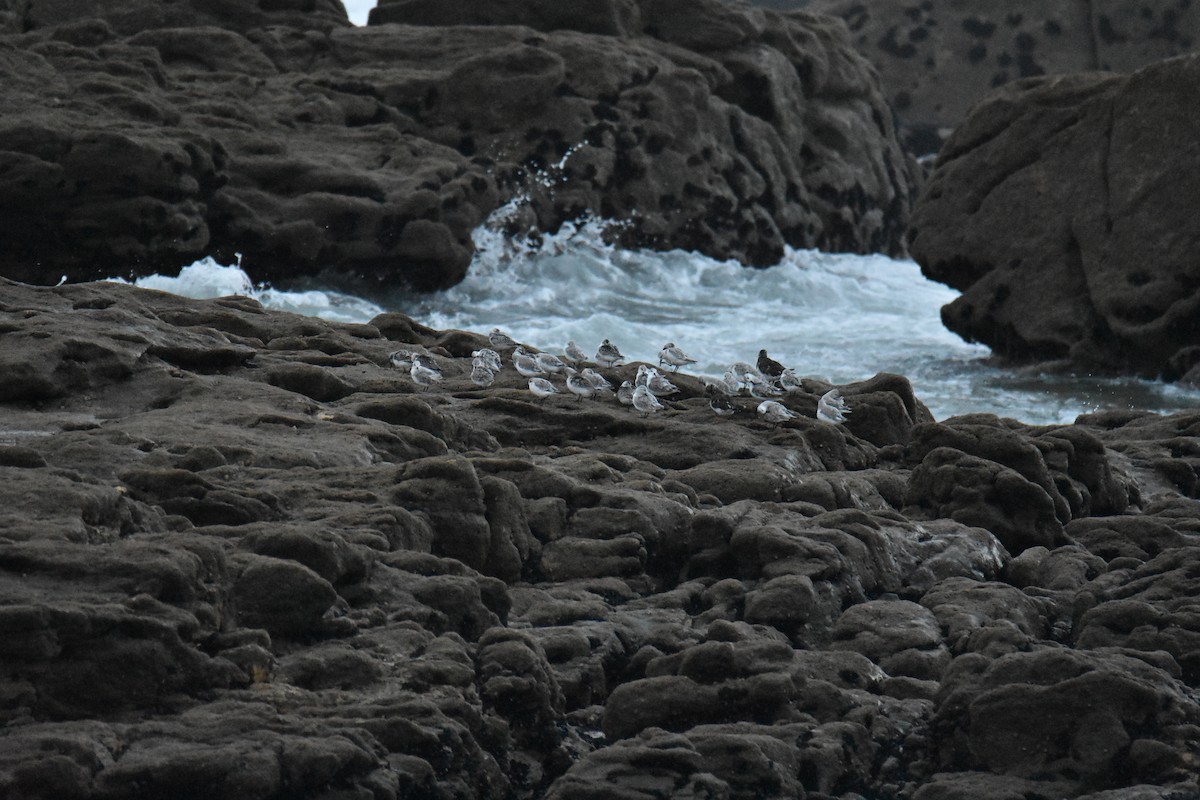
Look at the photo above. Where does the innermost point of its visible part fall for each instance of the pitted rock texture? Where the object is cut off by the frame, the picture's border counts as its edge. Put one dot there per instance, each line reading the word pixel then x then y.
pixel 1084 175
pixel 137 138
pixel 938 58
pixel 241 551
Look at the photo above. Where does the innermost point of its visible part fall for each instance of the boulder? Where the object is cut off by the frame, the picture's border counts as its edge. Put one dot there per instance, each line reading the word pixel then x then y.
pixel 1083 173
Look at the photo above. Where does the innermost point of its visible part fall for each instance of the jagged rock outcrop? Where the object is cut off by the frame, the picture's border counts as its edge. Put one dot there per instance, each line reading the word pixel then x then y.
pixel 1083 175
pixel 240 550
pixel 938 58
pixel 138 138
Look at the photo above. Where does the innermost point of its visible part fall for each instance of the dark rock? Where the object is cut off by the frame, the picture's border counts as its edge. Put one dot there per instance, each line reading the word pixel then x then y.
pixel 1034 713
pixel 976 491
pixel 281 595
pixel 207 579
pixel 937 59
pixel 139 138
pixel 1060 285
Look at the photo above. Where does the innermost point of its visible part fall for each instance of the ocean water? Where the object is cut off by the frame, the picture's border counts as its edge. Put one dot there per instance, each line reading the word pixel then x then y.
pixel 842 318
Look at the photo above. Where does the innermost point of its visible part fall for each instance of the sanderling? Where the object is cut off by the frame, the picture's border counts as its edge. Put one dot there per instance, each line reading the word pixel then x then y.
pixel 670 354
pixel 401 359
pixel 541 388
pixel 424 376
pixel 643 375
pixel 788 381
pixel 751 378
pixel 741 370
pixel 832 408
pixel 625 394
pixel 596 380
pixel 549 362
pixel 526 364
pixel 659 385
pixel 426 362
pixel 713 385
pixel 644 401
pixel 768 366
pixel 773 411
pixel 574 353
pixel 731 382
pixel 761 387
pixel 481 375
pixel 718 401
pixel 490 359
pixel 501 340
pixel 608 355
pixel 579 386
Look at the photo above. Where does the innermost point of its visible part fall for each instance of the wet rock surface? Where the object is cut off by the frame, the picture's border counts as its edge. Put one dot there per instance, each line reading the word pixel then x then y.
pixel 217 571
pixel 1084 174
pixel 138 137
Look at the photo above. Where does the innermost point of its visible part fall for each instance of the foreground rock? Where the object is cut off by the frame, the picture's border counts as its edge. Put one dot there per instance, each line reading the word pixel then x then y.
pixel 137 138
pixel 938 58
pixel 1085 175
pixel 239 549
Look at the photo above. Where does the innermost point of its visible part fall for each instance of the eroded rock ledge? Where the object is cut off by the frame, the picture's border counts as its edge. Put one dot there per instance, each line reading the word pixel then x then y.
pixel 137 137
pixel 239 551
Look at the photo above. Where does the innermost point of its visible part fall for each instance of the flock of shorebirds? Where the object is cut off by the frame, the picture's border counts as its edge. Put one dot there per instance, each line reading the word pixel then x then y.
pixel 764 380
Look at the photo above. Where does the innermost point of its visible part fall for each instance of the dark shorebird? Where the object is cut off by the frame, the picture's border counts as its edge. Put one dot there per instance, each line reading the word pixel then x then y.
pixel 769 366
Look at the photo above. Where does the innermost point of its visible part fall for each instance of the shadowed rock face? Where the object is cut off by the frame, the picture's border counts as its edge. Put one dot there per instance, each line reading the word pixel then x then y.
pixel 137 138
pixel 240 550
pixel 938 58
pixel 1085 176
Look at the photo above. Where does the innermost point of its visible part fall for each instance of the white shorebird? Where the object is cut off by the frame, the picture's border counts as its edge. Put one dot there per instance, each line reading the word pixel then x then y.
pixel 574 353
pixel 490 359
pixel 731 382
pixel 607 355
pixel 660 386
pixel 644 401
pixel 596 379
pixel 773 411
pixel 401 359
pixel 426 362
pixel 541 388
pixel 526 364
pixel 579 386
pixel 424 376
pixel 832 408
pixel 501 340
pixel 625 394
pixel 481 375
pixel 788 381
pixel 549 362
pixel 670 354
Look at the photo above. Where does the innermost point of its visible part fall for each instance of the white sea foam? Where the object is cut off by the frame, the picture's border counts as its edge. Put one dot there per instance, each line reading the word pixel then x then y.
pixel 206 278
pixel 839 317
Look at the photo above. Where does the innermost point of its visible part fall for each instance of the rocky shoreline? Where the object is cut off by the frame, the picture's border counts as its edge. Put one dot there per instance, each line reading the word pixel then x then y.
pixel 242 556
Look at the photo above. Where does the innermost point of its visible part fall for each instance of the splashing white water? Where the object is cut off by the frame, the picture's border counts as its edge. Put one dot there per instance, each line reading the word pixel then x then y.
pixel 839 317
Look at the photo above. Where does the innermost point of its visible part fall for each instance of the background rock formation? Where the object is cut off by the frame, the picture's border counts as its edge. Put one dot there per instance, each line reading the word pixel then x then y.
pixel 137 138
pixel 1058 209
pixel 239 550
pixel 939 57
